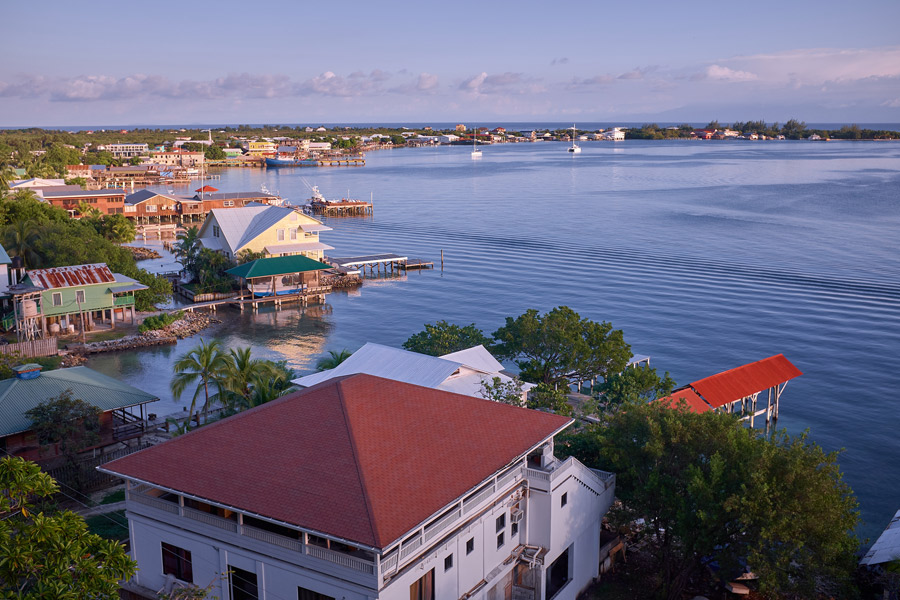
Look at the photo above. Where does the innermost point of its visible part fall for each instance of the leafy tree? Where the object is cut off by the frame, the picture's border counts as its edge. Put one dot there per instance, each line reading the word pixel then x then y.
pixel 710 489
pixel 187 248
pixel 635 384
pixel 504 392
pixel 247 255
pixel 398 140
pixel 209 268
pixel 444 338
pixel 794 129
pixel 713 125
pixel 332 360
pixel 243 374
pixel 206 365
pixel 21 238
pixel 86 210
pixel 79 181
pixel 559 346
pixel 70 422
pixel 214 153
pixel 548 398
pixel 118 229
pixel 51 556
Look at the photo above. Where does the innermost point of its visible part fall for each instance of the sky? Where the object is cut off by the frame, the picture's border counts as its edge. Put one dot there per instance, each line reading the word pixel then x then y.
pixel 196 61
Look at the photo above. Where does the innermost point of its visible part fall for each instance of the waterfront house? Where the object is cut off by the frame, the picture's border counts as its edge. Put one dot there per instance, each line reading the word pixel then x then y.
pixel 145 206
pixel 613 135
pixel 364 488
pixel 260 148
pixel 236 199
pixel 123 418
pixel 108 201
pixel 55 299
pixel 127 150
pixel 460 372
pixel 273 230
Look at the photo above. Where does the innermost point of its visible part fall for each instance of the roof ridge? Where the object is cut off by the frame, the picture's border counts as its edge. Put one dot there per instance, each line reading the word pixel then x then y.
pixel 356 457
pixel 55 372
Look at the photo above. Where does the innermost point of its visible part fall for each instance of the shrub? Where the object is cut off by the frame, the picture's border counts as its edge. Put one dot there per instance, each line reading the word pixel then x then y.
pixel 159 321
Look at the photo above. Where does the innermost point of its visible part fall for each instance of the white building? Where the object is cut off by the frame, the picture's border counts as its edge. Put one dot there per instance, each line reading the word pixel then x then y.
pixel 613 135
pixel 364 488
pixel 127 150
pixel 460 372
pixel 448 138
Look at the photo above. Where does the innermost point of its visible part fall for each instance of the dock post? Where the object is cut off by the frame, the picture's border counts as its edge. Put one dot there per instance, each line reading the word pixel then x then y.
pixel 442 259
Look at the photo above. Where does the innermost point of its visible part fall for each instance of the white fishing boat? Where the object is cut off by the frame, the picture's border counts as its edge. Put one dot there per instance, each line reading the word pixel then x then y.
pixel 574 148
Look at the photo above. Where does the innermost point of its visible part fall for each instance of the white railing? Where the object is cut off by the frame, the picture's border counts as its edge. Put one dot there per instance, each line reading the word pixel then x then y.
pixel 339 558
pixel 272 538
pixel 209 519
pixel 439 525
pixel 536 474
pixel 389 564
pixel 154 502
pixel 474 501
pixel 407 549
pixel 508 477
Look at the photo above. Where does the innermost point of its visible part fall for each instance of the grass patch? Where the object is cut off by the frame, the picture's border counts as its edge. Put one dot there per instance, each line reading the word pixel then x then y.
pixel 112 526
pixel 104 336
pixel 113 497
pixel 159 321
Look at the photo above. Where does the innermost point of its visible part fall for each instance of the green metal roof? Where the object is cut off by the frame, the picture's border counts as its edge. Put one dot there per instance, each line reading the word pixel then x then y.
pixel 17 396
pixel 277 265
pixel 4 257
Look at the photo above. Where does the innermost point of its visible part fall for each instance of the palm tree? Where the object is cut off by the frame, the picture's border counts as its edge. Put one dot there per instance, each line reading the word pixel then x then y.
pixel 332 360
pixel 187 247
pixel 88 211
pixel 22 194
pixel 206 364
pixel 21 238
pixel 243 373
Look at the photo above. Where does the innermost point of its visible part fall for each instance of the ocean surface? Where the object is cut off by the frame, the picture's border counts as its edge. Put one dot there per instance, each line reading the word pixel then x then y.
pixel 707 255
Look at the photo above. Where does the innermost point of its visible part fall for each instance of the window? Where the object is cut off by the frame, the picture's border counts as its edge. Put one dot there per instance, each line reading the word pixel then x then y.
pixel 448 563
pixel 423 589
pixel 293 233
pixel 215 231
pixel 243 584
pixel 280 234
pixel 470 546
pixel 57 299
pixel 79 296
pixel 151 208
pixel 500 540
pixel 564 499
pixel 228 203
pixel 305 594
pixel 558 574
pixel 501 522
pixel 513 529
pixel 177 561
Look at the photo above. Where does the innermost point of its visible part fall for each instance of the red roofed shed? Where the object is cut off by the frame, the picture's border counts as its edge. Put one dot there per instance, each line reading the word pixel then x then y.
pixel 741 382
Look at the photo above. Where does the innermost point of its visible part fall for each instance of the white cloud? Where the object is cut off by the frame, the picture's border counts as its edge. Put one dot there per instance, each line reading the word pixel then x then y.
pixel 720 73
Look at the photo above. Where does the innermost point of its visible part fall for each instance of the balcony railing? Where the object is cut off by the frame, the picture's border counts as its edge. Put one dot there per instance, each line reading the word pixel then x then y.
pixel 339 558
pixel 123 300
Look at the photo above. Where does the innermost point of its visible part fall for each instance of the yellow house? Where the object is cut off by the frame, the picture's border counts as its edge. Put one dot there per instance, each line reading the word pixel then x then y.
pixel 260 148
pixel 272 230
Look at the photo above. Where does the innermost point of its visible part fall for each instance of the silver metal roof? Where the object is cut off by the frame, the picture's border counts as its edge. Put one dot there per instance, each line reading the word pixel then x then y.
pixel 887 547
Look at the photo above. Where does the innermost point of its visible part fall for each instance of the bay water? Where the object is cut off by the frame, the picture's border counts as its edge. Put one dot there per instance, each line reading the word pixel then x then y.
pixel 708 255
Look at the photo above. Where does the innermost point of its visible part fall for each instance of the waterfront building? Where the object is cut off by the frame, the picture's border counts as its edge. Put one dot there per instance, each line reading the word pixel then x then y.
pixel 123 417
pixel 260 148
pixel 35 182
pixel 126 150
pixel 613 135
pixel 460 372
pixel 146 207
pixel 109 201
pixel 178 158
pixel 273 230
pixel 364 488
pixel 55 299
pixel 213 200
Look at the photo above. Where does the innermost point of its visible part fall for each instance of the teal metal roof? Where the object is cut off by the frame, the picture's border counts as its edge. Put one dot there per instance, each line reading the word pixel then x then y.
pixel 17 396
pixel 4 257
pixel 277 265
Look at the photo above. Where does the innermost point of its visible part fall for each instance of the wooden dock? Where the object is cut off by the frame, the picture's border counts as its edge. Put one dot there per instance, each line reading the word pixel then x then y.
pixel 341 208
pixel 313 293
pixel 413 264
pixel 374 262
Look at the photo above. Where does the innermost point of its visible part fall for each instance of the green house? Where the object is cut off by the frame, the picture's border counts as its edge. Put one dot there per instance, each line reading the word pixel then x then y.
pixel 64 296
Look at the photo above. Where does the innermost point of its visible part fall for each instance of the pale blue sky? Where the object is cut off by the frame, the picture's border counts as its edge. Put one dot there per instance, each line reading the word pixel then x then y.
pixel 67 63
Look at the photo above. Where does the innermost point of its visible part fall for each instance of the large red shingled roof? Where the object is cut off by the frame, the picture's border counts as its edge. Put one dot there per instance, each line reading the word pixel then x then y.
pixel 361 458
pixel 734 384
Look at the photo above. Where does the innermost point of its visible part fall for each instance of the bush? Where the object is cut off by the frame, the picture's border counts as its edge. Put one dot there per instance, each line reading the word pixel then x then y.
pixel 159 321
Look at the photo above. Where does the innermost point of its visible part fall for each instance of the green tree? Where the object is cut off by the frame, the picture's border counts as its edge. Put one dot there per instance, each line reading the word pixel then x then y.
pixel 247 255
pixel 332 360
pixel 794 129
pixel 635 384
pixel 711 489
pixel 51 556
pixel 206 365
pixel 22 238
pixel 242 375
pixel 550 399
pixel 68 421
pixel 117 229
pixel 209 268
pixel 86 210
pixel 713 125
pixel 444 338
pixel 559 346
pixel 187 248
pixel 214 153
pixel 398 140
pixel 504 392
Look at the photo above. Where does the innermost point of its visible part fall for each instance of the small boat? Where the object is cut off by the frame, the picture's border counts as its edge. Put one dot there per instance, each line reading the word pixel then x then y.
pixel 575 148
pixel 476 153
pixel 291 162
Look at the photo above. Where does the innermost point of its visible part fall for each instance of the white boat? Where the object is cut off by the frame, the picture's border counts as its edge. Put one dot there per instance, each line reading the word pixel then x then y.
pixel 575 148
pixel 476 153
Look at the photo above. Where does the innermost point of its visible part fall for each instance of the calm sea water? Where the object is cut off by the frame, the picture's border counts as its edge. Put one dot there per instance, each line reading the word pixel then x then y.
pixel 707 255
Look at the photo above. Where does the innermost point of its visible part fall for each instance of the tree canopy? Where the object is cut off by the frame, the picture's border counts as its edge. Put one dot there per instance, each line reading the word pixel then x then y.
pixel 65 420
pixel 444 338
pixel 51 556
pixel 559 346
pixel 713 491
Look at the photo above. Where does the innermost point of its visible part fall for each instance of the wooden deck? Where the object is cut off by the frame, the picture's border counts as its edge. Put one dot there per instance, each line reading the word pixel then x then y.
pixel 312 293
